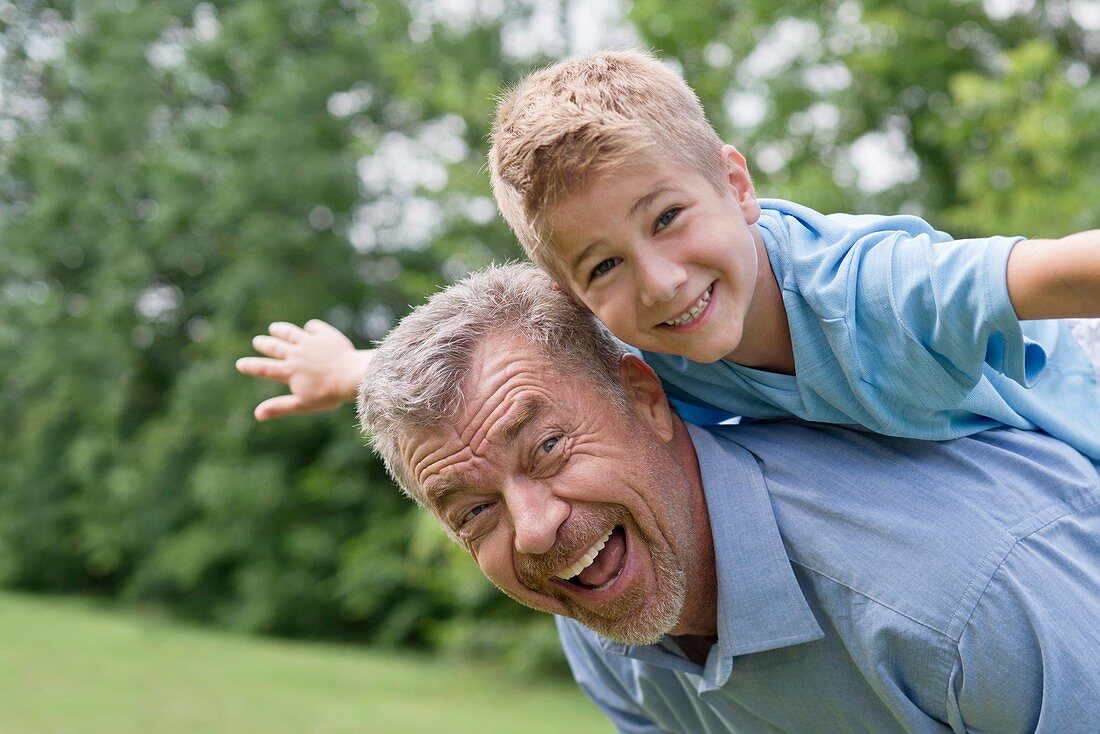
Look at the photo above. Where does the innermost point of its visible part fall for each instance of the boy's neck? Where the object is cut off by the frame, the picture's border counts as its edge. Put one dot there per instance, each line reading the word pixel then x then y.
pixel 766 341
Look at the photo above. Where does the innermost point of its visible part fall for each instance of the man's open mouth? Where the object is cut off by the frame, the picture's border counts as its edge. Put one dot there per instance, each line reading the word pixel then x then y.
pixel 600 566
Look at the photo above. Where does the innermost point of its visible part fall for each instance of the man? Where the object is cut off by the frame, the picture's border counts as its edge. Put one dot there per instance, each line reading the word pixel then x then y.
pixel 755 578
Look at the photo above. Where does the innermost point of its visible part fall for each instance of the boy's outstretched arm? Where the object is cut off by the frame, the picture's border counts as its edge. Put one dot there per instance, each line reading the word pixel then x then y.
pixel 319 364
pixel 1054 279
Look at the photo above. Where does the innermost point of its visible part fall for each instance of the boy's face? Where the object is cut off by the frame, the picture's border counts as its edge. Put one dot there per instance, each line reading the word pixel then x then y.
pixel 668 262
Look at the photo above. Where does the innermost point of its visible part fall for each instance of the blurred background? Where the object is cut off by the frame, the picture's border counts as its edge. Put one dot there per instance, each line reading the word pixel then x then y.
pixel 175 175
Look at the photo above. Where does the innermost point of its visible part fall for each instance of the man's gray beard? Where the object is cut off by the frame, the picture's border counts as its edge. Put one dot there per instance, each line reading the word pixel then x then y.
pixel 635 617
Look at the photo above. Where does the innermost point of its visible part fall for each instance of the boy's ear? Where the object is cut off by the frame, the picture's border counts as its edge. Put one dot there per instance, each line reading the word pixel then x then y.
pixel 643 389
pixel 737 173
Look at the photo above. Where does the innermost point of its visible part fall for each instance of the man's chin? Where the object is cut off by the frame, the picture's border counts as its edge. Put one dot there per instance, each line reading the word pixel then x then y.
pixel 639 606
pixel 643 622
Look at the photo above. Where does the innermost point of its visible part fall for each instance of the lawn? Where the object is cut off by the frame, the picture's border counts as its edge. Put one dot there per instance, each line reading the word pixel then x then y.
pixel 71 666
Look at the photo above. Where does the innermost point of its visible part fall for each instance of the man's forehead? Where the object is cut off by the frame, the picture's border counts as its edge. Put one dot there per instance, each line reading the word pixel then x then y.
pixel 443 467
pixel 505 391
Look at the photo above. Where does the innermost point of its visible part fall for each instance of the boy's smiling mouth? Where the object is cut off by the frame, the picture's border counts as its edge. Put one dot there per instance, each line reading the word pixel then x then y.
pixel 692 313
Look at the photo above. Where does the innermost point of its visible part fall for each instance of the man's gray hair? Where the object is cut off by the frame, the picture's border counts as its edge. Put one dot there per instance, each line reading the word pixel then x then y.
pixel 416 378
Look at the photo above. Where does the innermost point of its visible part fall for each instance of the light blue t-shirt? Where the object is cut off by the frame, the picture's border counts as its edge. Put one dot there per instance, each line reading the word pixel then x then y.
pixel 902 330
pixel 879 585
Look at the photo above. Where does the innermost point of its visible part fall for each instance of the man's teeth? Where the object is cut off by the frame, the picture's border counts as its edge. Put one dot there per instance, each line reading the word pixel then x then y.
pixel 586 560
pixel 693 312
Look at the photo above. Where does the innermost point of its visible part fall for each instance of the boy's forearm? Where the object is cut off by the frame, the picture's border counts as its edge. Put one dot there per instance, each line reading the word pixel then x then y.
pixel 1053 279
pixel 355 369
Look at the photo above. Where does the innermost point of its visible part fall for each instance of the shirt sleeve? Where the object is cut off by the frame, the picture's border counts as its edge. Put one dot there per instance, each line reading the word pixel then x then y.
pixel 929 316
pixel 600 683
pixel 1029 657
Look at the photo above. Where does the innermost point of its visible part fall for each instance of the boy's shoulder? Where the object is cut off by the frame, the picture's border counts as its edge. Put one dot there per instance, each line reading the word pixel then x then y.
pixel 815 254
pixel 793 225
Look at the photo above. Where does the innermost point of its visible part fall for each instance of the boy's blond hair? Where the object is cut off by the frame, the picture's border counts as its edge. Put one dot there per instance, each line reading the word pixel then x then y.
pixel 579 119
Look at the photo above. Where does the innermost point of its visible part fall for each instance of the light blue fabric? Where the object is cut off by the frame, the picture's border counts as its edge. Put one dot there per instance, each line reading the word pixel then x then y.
pixel 873 584
pixel 901 330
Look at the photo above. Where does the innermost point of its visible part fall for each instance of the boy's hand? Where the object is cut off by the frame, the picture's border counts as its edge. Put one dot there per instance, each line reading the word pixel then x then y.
pixel 319 364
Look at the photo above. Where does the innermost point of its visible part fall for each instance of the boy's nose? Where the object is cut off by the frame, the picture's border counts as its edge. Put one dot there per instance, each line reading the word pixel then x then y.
pixel 536 516
pixel 659 280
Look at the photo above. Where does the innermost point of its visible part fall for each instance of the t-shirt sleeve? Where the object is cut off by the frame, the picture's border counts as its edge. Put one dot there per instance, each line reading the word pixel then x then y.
pixel 930 315
pixel 600 683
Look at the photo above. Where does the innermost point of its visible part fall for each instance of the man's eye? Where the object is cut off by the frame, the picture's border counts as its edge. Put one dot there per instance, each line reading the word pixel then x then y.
pixel 603 267
pixel 473 512
pixel 666 218
pixel 548 445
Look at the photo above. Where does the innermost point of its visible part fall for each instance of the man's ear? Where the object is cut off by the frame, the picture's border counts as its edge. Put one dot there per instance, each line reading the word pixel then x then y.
pixel 737 173
pixel 644 391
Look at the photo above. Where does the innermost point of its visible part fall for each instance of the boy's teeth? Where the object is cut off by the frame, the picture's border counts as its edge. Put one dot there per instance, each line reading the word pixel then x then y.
pixel 586 560
pixel 691 314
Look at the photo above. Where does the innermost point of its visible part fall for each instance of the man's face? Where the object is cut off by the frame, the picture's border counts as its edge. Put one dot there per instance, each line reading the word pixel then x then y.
pixel 567 503
pixel 667 261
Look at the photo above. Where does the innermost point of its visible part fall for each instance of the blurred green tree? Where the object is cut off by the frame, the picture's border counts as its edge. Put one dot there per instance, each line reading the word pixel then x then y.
pixel 174 175
pixel 971 114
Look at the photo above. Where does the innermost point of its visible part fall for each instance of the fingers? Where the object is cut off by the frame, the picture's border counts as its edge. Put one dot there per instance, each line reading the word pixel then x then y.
pixel 315 326
pixel 271 346
pixel 269 369
pixel 278 407
pixel 285 330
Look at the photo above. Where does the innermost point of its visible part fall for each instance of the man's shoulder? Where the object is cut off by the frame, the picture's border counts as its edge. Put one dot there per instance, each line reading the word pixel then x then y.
pixel 915 527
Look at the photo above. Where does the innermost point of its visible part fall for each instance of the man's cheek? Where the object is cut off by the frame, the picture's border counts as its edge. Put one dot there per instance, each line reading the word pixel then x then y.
pixel 496 565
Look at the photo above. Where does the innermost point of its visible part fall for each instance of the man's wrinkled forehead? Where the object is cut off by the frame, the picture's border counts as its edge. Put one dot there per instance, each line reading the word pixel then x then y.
pixel 449 463
pixel 502 393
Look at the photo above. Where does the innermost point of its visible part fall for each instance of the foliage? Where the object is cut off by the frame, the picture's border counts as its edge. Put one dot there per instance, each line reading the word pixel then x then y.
pixel 197 171
pixel 174 175
pixel 969 116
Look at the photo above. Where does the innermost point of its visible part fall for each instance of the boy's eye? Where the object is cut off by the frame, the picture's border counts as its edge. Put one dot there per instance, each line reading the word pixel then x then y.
pixel 603 267
pixel 666 218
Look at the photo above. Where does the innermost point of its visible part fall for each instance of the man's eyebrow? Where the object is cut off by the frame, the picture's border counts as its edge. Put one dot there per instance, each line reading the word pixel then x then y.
pixel 439 491
pixel 529 408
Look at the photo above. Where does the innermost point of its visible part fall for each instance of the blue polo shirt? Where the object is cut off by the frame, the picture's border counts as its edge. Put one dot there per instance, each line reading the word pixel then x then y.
pixel 873 584
pixel 902 330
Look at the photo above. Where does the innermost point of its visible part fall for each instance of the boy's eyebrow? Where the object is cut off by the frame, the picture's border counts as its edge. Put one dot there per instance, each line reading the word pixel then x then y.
pixel 647 199
pixel 642 202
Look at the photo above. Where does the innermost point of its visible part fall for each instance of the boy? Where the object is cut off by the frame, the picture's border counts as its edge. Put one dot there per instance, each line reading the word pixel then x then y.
pixel 608 172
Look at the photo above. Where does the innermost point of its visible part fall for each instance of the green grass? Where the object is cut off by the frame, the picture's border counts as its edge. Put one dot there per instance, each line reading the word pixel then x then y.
pixel 73 667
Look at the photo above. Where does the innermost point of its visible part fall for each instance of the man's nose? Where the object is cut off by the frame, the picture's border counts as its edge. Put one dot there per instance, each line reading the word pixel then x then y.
pixel 659 278
pixel 536 516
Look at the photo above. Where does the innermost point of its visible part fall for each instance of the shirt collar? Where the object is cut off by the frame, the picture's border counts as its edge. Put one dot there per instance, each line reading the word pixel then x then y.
pixel 760 604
